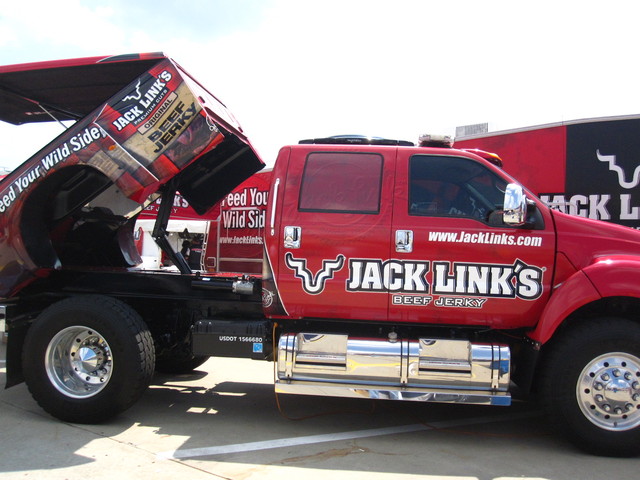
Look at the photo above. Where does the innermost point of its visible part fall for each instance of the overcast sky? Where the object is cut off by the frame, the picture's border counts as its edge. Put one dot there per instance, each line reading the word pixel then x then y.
pixel 293 69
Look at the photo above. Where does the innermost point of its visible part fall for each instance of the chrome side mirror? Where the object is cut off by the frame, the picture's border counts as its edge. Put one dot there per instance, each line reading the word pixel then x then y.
pixel 515 206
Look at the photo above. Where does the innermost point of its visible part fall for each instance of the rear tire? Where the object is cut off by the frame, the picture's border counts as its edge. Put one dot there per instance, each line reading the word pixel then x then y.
pixel 86 359
pixel 591 386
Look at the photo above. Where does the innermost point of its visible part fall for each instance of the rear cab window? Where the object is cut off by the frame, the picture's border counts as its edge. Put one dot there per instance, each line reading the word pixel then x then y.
pixel 341 182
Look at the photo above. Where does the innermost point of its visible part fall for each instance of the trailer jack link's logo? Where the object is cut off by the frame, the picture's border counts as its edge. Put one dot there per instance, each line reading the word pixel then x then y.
pixel 622 176
pixel 314 284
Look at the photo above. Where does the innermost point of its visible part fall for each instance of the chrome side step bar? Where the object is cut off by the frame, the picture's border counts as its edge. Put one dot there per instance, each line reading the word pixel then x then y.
pixel 426 370
pixel 469 397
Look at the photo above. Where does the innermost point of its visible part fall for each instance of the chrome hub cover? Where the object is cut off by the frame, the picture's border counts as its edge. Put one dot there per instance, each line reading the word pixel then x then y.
pixel 78 362
pixel 608 391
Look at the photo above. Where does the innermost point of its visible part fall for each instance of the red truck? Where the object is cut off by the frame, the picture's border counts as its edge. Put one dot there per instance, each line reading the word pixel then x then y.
pixel 391 271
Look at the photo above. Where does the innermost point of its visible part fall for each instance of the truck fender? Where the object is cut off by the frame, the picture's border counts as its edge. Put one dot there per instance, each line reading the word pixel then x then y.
pixel 615 276
pixel 567 297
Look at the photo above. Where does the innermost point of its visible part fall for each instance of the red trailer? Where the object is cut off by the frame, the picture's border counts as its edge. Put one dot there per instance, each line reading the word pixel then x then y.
pixel 227 238
pixel 588 167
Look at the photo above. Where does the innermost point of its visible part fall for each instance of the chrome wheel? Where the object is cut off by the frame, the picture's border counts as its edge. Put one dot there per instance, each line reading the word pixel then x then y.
pixel 608 391
pixel 78 362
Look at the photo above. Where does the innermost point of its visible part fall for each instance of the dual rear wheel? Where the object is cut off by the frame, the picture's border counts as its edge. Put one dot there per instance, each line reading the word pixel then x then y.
pixel 88 358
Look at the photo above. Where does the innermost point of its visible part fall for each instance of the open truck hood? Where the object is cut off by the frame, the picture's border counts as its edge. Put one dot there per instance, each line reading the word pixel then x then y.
pixel 142 124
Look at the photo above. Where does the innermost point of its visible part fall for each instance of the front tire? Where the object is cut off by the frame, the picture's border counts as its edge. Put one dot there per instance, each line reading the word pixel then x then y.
pixel 86 359
pixel 591 386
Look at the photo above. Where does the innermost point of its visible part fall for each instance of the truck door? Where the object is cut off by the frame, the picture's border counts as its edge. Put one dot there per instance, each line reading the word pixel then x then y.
pixel 473 269
pixel 336 207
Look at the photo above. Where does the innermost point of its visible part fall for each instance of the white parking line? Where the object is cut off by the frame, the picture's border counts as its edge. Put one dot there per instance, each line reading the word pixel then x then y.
pixel 332 437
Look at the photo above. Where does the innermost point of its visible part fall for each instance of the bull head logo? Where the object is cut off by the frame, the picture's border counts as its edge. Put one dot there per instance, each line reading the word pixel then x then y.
pixel 622 178
pixel 313 284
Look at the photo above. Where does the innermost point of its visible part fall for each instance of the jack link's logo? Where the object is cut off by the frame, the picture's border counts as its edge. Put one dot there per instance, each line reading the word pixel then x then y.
pixel 314 284
pixel 517 280
pixel 469 279
pixel 622 177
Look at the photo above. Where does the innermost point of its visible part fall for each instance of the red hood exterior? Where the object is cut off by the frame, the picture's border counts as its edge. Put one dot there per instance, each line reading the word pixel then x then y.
pixel 584 241
pixel 160 126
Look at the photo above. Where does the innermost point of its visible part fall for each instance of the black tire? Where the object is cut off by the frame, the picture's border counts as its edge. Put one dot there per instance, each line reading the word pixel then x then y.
pixel 590 386
pixel 179 363
pixel 86 359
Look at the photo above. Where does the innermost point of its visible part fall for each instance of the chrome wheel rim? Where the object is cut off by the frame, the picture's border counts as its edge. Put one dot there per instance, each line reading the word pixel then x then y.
pixel 78 362
pixel 608 391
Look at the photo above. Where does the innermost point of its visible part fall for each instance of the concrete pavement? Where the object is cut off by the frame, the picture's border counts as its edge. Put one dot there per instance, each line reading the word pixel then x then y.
pixel 223 421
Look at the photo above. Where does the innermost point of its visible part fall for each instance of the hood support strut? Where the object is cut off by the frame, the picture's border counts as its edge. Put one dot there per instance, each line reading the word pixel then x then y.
pixel 159 233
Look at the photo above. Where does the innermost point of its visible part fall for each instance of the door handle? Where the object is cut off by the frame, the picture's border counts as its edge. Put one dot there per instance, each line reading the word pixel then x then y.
pixel 404 241
pixel 292 237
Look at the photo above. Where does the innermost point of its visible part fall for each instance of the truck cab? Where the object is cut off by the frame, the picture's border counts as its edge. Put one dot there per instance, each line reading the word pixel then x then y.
pixel 401 234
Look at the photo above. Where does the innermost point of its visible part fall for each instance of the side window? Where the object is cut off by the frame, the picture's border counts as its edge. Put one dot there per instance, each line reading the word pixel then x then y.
pixel 341 183
pixel 453 187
